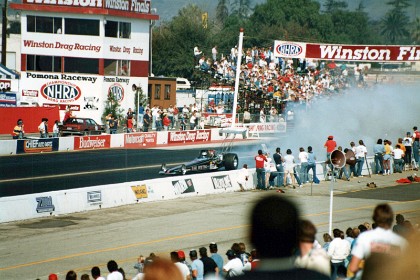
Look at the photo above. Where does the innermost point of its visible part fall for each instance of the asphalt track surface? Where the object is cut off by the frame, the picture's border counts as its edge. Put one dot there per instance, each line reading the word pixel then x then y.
pixel 34 173
pixel 35 248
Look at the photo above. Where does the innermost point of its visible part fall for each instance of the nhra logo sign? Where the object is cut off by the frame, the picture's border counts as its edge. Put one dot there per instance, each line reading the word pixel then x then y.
pixel 61 92
pixel 288 49
pixel 117 91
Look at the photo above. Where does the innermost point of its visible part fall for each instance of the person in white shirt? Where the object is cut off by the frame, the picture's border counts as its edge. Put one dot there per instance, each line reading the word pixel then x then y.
pixel 311 257
pixel 381 240
pixel 183 268
pixel 360 152
pixel 338 250
pixel 303 158
pixel 243 177
pixel 234 266
pixel 114 274
pixel 398 159
pixel 408 144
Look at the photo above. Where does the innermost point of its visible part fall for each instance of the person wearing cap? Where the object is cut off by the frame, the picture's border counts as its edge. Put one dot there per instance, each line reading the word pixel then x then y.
pixel 197 266
pixel 210 266
pixel 183 268
pixel 276 239
pixel 52 276
pixel 260 159
pixel 181 257
pixel 330 145
pixel 234 265
pixel 218 259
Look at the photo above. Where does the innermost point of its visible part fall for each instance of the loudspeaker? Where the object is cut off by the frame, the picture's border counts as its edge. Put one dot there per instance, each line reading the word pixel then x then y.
pixel 350 158
pixel 338 159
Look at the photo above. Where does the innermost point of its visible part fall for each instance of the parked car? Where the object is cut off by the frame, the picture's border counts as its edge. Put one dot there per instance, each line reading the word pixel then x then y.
pixel 80 126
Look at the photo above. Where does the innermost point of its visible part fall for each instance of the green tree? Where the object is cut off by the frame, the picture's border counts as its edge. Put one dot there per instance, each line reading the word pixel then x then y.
pixel 399 3
pixel 395 26
pixel 415 32
pixel 242 8
pixel 334 5
pixel 112 106
pixel 222 11
pixel 173 43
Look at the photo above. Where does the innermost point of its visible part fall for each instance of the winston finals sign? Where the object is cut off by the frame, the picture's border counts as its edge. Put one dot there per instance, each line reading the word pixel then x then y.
pixel 347 52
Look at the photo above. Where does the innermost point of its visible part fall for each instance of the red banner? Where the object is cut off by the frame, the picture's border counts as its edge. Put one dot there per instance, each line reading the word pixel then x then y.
pixel 375 53
pixel 189 136
pixel 140 140
pixel 92 142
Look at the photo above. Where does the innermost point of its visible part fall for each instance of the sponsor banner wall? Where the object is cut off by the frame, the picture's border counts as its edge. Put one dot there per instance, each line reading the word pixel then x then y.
pixel 136 48
pixel 378 53
pixel 92 142
pixel 189 136
pixel 140 140
pixel 29 146
pixel 85 94
pixel 7 83
pixel 266 127
pixel 7 99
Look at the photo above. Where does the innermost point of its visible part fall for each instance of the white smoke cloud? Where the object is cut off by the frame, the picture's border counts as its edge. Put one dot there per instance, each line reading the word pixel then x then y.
pixel 383 111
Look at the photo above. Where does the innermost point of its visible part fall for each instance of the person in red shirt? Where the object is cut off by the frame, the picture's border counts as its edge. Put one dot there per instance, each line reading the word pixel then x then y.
pixel 166 122
pixel 330 144
pixel 259 165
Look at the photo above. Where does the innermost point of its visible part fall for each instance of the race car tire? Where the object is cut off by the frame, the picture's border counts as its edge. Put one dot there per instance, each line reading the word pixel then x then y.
pixel 231 161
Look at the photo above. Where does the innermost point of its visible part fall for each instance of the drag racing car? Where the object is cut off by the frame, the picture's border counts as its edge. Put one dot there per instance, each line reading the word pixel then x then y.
pixel 207 160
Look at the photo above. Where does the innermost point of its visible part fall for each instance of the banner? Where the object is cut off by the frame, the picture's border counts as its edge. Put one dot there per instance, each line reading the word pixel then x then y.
pixel 37 145
pixel 176 137
pixel 372 53
pixel 7 99
pixel 140 140
pixel 92 142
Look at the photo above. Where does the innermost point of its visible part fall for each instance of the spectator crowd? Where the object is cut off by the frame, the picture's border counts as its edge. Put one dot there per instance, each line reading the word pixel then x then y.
pixel 285 247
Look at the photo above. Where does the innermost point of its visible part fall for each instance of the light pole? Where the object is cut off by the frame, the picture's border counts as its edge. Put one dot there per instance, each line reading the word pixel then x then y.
pixel 152 23
pixel 4 34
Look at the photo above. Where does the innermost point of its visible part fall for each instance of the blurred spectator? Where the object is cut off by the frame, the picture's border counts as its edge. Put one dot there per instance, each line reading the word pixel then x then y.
pixel 18 131
pixel 338 250
pixel 52 276
pixel 327 240
pixel 197 266
pixel 311 258
pixel 139 264
pixel 43 128
pixel 210 266
pixel 218 259
pixel 381 240
pixel 71 275
pixel 85 277
pixel 183 268
pixel 161 269
pixel 114 274
pixel 96 273
pixel 234 265
pixel 56 130
pixel 280 228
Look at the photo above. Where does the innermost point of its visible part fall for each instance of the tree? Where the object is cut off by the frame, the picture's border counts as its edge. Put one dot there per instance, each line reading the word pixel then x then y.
pixel 415 32
pixel 112 106
pixel 222 11
pixel 334 5
pixel 242 8
pixel 174 42
pixel 399 3
pixel 394 26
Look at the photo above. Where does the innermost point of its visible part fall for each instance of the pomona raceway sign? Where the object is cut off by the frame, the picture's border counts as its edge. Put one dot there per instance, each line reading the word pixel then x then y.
pixel 346 52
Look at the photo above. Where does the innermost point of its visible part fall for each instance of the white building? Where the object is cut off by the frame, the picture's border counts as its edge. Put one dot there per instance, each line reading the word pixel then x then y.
pixel 75 52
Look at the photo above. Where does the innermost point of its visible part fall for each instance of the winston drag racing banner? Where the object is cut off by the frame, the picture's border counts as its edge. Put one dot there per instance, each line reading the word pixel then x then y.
pixel 324 51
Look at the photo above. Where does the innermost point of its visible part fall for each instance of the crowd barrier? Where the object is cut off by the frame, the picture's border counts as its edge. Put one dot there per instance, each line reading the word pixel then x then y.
pixel 138 140
pixel 54 203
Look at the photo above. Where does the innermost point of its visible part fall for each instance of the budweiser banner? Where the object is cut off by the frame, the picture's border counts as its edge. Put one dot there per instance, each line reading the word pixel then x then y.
pixel 324 51
pixel 140 140
pixel 92 142
pixel 185 136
